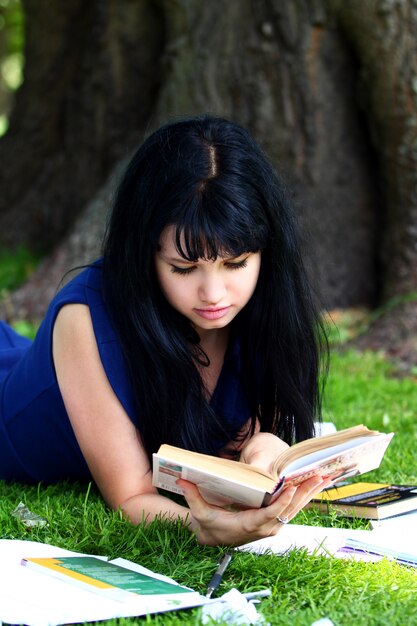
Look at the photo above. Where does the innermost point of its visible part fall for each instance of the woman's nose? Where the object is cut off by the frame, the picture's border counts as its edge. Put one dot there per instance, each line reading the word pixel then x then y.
pixel 212 289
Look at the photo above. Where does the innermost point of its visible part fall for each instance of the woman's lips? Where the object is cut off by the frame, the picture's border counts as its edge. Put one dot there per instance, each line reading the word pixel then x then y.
pixel 212 314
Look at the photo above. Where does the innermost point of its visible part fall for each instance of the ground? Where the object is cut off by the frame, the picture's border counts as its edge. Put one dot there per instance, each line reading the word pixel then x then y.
pixel 392 331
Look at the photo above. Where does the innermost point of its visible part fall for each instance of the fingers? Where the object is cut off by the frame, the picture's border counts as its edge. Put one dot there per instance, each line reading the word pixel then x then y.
pixel 238 526
pixel 193 497
pixel 293 499
pixel 215 525
pixel 267 516
pixel 307 491
pixel 189 489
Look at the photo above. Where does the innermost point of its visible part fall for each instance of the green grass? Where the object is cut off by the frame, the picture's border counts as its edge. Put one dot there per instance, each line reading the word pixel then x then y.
pixel 361 389
pixel 15 267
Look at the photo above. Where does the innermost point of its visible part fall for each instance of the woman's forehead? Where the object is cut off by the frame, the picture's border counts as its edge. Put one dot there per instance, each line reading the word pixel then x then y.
pixel 173 242
pixel 168 239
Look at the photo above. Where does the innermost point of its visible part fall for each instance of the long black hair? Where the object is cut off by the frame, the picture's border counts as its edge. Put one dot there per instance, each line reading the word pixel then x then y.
pixel 208 178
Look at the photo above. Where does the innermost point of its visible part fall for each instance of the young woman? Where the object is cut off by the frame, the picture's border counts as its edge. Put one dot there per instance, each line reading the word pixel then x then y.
pixel 196 328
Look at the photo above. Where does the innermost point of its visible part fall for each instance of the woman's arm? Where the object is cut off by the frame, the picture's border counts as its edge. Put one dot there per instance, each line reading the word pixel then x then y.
pixel 114 452
pixel 109 441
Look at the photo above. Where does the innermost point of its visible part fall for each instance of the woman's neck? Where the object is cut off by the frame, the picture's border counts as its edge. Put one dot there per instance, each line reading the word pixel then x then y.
pixel 214 343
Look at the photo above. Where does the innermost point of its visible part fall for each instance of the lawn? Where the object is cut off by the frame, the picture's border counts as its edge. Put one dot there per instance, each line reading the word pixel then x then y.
pixel 361 389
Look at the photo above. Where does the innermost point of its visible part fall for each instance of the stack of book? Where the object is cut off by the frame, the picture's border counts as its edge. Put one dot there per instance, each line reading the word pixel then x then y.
pixel 368 500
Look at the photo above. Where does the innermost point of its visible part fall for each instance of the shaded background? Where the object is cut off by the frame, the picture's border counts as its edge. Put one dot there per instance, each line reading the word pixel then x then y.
pixel 328 88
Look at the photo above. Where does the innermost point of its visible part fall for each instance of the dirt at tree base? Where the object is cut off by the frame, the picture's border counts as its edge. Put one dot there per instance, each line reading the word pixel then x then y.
pixel 394 333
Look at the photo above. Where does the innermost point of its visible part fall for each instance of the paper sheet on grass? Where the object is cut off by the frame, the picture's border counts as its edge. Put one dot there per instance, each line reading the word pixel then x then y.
pixel 401 547
pixel 29 597
pixel 372 545
pixel 315 539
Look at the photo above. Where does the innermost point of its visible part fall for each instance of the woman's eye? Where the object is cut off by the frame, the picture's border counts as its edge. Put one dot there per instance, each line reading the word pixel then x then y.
pixel 181 270
pixel 237 265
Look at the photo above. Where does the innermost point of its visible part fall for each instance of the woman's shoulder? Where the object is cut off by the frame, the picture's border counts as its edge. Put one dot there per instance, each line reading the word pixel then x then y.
pixel 83 289
pixel 86 288
pixel 93 321
pixel 86 285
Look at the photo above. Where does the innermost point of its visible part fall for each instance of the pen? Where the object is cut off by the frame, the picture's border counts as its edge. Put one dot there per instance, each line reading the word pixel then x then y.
pixel 218 575
pixel 262 593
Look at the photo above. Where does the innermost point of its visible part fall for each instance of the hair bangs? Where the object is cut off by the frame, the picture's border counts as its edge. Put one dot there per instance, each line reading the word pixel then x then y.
pixel 211 226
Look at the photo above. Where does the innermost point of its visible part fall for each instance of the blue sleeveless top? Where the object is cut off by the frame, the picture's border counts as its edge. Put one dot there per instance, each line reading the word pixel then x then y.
pixel 37 442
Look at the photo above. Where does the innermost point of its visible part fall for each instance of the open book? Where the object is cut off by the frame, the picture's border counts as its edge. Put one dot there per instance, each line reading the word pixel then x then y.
pixel 221 481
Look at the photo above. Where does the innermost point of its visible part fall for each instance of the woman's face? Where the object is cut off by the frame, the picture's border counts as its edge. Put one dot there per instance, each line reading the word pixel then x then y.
pixel 209 293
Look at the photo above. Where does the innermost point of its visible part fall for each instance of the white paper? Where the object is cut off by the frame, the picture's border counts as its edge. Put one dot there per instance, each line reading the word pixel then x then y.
pixel 402 547
pixel 29 597
pixel 315 539
pixel 232 608
pixel 331 542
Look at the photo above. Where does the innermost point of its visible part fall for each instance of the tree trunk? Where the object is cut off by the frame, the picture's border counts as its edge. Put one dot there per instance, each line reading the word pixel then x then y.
pixel 383 36
pixel 81 246
pixel 91 78
pixel 287 70
pixel 284 71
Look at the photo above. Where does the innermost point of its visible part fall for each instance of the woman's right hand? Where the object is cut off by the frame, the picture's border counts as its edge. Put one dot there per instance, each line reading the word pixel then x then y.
pixel 214 525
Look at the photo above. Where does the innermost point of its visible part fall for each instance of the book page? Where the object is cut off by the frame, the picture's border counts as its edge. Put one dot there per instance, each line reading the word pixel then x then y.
pixel 399 547
pixel 310 446
pixel 325 453
pixel 404 525
pixel 343 462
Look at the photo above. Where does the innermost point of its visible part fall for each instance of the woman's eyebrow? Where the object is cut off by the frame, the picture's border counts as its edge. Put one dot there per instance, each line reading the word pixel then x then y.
pixel 177 259
pixel 180 259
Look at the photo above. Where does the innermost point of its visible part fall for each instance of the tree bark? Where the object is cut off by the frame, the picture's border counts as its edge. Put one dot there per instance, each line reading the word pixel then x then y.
pixel 290 71
pixel 284 71
pixel 80 247
pixel 383 36
pixel 90 81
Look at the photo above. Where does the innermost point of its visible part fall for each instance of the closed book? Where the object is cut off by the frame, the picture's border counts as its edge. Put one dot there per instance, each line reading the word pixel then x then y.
pixel 368 500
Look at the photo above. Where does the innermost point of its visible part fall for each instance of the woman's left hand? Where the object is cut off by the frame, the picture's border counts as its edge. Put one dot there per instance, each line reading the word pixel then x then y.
pixel 262 450
pixel 214 525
